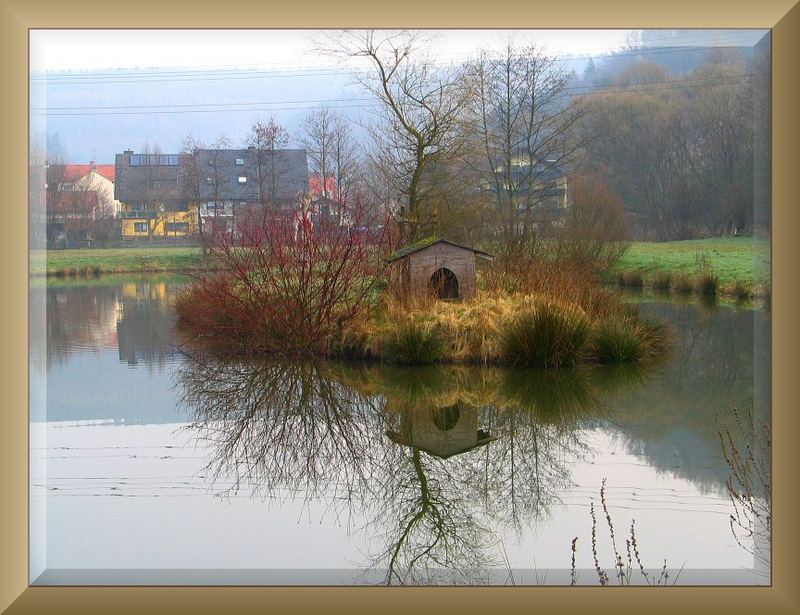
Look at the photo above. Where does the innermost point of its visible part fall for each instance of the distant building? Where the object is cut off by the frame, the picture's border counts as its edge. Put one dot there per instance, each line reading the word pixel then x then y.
pixel 542 185
pixel 438 266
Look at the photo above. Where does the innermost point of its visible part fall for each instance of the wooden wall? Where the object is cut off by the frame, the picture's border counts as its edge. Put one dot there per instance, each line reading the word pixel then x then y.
pixel 460 261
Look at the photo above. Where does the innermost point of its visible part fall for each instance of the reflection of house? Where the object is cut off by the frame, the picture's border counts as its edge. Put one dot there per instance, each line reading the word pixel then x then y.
pixel 442 432
pixel 439 266
pixel 144 325
pixel 151 188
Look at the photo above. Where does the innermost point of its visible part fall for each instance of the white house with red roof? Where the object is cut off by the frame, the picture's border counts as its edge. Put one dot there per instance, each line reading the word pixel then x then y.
pixel 92 177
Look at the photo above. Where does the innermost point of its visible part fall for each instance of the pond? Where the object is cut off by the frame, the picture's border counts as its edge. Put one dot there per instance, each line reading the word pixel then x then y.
pixel 152 463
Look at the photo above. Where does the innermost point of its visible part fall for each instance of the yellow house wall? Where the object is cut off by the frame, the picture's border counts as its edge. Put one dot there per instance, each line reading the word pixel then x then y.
pixel 158 226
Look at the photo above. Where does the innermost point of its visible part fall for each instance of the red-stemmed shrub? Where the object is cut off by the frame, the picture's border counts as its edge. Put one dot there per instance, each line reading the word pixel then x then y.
pixel 289 280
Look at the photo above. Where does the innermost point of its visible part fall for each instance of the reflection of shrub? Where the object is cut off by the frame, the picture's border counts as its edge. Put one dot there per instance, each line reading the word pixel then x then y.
pixel 413 342
pixel 545 333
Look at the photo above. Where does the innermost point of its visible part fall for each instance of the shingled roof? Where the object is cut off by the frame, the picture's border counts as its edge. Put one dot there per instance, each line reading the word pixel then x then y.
pixel 423 244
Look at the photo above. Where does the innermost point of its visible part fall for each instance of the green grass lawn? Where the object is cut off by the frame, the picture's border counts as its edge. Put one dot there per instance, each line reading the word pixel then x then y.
pixel 730 258
pixel 114 260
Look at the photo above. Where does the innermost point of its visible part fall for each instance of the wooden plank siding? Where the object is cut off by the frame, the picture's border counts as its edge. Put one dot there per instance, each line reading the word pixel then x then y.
pixel 423 264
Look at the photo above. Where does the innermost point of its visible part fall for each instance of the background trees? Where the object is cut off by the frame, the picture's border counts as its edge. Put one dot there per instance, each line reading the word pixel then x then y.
pixel 523 119
pixel 678 151
pixel 420 105
pixel 265 139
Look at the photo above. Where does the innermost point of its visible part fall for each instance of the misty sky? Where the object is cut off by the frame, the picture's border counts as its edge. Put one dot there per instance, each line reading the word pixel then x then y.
pixel 106 49
pixel 173 83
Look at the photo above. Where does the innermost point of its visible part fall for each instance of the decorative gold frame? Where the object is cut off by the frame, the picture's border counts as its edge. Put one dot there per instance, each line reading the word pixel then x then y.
pixel 18 16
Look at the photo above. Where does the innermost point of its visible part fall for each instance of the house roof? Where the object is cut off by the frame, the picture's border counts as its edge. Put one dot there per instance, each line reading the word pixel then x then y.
pixel 74 172
pixel 426 243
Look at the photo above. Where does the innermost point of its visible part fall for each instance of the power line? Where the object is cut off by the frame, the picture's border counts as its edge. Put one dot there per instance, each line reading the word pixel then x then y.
pixel 304 104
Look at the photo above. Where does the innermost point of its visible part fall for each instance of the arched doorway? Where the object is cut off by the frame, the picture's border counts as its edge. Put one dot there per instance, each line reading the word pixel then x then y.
pixel 444 284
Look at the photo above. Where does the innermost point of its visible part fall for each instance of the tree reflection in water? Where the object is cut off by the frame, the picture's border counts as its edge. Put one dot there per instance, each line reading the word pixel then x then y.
pixel 438 459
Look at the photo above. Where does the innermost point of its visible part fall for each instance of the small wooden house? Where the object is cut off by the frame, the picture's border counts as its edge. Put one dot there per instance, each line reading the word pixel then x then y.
pixel 438 266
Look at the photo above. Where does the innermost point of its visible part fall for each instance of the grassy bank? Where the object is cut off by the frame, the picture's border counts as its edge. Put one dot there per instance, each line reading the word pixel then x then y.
pixel 114 260
pixel 533 330
pixel 740 265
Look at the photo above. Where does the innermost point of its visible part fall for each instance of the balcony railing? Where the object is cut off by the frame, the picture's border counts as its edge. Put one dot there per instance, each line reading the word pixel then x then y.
pixel 136 215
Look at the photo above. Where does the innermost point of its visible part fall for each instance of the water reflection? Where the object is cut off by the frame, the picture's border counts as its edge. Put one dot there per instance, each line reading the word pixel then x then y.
pixel 135 318
pixel 718 359
pixel 438 460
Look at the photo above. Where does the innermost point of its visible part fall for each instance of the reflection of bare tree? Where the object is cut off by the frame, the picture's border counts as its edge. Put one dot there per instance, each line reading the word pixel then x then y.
pixel 434 529
pixel 282 426
pixel 435 458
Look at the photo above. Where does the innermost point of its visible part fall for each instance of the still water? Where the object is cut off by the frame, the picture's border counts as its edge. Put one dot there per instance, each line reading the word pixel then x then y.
pixel 151 463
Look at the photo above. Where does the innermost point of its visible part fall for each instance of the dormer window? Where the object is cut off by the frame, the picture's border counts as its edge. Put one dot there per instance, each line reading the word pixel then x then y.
pixel 209 180
pixel 240 162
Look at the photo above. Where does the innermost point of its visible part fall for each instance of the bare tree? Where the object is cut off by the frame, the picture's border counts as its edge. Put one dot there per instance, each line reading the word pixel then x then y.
pixel 318 138
pixel 154 188
pixel 524 121
pixel 216 180
pixel 346 160
pixel 420 104
pixel 265 139
pixel 191 182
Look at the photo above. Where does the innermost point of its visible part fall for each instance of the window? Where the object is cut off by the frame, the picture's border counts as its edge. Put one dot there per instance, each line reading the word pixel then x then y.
pixel 209 180
pixel 242 179
pixel 240 162
pixel 160 184
pixel 177 227
pixel 141 160
pixel 140 227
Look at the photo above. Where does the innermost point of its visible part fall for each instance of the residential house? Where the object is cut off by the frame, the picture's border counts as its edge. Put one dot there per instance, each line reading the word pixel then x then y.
pixel 152 191
pixel 80 203
pixel 540 187
pixel 232 181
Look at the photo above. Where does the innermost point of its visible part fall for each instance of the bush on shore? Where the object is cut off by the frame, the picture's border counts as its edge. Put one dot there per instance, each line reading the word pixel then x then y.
pixel 545 333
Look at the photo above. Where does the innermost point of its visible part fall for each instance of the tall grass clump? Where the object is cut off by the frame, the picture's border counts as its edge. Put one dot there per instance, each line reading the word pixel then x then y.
pixel 627 338
pixel 741 290
pixel 631 277
pixel 545 333
pixel 706 283
pixel 661 280
pixel 681 283
pixel 618 340
pixel 413 342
